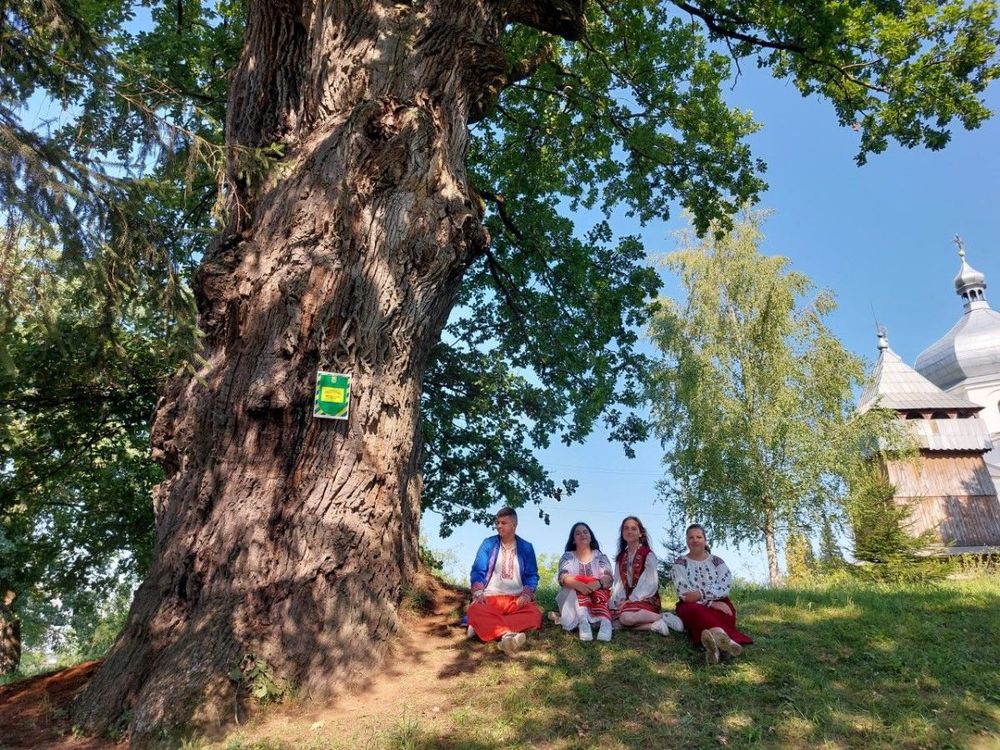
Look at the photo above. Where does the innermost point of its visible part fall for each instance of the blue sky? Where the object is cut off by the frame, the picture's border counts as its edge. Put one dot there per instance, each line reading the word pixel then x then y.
pixel 879 237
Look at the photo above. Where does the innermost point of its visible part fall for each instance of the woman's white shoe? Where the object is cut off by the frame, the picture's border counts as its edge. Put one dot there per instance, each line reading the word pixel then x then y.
pixel 604 632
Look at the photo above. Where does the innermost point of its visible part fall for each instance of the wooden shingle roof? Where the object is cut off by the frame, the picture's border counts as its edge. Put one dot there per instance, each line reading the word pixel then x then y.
pixel 896 385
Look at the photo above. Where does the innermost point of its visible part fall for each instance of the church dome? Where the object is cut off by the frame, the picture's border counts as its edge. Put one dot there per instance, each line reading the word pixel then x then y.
pixel 972 347
pixel 968 279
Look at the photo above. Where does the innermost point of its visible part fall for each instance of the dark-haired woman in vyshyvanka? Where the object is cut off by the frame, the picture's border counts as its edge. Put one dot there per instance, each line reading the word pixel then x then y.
pixel 585 585
pixel 703 581
pixel 635 594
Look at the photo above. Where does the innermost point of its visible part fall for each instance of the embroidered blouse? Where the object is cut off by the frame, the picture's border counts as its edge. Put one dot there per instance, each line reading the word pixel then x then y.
pixel 506 578
pixel 598 567
pixel 710 576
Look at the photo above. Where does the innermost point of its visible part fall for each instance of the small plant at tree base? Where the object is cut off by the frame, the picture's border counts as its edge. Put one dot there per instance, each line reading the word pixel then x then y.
pixel 429 559
pixel 118 730
pixel 417 598
pixel 254 675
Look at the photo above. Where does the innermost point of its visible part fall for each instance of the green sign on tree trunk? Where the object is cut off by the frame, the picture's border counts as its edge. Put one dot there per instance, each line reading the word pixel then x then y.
pixel 333 395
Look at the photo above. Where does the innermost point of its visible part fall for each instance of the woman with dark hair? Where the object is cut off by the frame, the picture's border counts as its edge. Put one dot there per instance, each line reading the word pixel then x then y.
pixel 585 585
pixel 636 590
pixel 703 581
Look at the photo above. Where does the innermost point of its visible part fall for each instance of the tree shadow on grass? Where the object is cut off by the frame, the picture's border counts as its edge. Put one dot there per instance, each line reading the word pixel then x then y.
pixel 859 666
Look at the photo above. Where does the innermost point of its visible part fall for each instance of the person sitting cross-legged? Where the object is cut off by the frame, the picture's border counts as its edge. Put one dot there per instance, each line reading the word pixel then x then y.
pixel 584 576
pixel 635 594
pixel 504 578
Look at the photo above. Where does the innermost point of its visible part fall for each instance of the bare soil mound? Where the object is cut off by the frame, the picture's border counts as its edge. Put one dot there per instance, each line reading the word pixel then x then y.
pixel 429 653
pixel 34 713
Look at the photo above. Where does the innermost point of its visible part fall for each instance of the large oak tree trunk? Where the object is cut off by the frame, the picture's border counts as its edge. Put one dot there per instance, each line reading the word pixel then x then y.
pixel 280 535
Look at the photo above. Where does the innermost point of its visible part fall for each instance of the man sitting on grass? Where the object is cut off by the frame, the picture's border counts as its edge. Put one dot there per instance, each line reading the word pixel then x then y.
pixel 504 579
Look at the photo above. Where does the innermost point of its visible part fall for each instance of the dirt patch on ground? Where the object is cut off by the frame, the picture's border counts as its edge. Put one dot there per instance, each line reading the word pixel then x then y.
pixel 430 655
pixel 34 713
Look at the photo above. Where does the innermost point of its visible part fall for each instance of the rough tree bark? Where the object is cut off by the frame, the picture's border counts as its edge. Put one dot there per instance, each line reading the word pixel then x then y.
pixel 278 534
pixel 10 634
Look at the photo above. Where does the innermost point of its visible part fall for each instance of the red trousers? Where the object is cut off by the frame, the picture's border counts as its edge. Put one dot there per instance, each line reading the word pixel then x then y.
pixel 697 617
pixel 495 616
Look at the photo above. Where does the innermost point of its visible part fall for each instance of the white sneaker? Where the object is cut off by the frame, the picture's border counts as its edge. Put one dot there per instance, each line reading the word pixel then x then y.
pixel 673 622
pixel 725 643
pixel 554 618
pixel 511 643
pixel 605 631
pixel 586 631
pixel 660 626
pixel 711 647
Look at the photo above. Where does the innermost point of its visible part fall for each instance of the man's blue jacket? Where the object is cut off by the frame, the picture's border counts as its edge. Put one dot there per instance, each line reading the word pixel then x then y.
pixel 486 559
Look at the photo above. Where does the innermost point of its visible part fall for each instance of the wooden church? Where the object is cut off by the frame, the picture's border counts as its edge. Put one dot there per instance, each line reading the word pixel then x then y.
pixel 951 402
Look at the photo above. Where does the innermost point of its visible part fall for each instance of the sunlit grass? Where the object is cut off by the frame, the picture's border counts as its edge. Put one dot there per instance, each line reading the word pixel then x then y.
pixel 839 665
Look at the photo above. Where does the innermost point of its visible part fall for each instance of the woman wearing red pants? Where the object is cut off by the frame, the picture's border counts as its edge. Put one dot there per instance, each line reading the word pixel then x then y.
pixel 702 581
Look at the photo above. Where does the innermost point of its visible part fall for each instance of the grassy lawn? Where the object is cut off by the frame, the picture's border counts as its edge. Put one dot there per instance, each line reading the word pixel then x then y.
pixel 845 665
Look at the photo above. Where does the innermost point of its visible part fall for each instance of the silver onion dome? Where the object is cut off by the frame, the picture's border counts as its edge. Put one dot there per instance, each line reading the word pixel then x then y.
pixel 972 347
pixel 970 284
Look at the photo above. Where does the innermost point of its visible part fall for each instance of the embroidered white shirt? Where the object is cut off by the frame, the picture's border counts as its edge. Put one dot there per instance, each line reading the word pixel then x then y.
pixel 506 578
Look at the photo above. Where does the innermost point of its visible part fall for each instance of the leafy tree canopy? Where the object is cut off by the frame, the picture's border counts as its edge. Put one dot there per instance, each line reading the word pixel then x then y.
pixel 618 109
pixel 77 387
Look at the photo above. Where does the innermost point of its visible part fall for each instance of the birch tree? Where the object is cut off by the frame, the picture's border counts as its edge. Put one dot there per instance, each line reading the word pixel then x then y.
pixel 754 398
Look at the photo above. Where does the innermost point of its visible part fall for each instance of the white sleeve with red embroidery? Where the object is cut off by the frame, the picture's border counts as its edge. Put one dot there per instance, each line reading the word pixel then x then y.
pixel 649 582
pixel 617 589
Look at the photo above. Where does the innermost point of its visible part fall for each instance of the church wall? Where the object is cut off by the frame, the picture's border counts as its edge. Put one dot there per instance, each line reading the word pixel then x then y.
pixel 952 495
pixel 986 395
pixel 941 473
pixel 991 414
pixel 958 521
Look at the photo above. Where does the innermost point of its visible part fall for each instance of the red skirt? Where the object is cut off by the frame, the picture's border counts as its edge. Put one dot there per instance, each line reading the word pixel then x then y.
pixel 643 605
pixel 698 617
pixel 596 601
